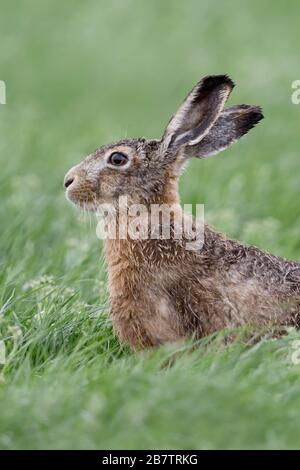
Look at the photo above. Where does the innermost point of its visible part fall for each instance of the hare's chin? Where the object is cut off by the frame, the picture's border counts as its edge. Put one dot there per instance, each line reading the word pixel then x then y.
pixel 85 205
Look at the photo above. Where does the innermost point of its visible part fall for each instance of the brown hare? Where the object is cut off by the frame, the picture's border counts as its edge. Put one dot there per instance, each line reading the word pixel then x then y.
pixel 161 291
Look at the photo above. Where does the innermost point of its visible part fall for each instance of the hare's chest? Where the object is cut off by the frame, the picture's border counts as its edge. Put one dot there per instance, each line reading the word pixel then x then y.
pixel 142 314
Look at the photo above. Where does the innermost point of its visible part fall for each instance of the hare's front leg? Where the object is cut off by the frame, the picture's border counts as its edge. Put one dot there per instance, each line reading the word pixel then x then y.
pixel 146 323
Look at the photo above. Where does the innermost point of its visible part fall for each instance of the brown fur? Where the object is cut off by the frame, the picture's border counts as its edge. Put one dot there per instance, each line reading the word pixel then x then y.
pixel 159 290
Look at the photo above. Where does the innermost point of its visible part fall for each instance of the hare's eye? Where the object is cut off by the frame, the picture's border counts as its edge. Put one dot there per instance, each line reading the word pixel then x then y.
pixel 118 159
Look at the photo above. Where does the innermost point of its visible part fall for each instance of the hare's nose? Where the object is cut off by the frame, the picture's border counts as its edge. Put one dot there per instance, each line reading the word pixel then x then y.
pixel 68 181
pixel 70 177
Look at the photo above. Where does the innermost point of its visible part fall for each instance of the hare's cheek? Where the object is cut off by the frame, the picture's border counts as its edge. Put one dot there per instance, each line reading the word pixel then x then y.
pixel 105 187
pixel 109 184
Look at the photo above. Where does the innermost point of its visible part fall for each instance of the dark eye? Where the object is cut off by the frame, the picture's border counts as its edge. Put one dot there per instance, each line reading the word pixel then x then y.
pixel 118 159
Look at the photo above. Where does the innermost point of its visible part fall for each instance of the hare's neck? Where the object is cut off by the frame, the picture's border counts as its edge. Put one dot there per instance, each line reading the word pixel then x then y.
pixel 130 228
pixel 135 237
pixel 170 194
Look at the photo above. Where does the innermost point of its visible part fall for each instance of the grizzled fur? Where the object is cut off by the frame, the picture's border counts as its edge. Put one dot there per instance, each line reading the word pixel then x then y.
pixel 159 290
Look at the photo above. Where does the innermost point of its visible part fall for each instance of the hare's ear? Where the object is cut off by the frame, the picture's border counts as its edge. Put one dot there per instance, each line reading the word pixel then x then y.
pixel 198 113
pixel 231 124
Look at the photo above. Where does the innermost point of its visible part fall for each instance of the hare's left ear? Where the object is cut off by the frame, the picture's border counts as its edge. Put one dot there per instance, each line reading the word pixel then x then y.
pixel 198 113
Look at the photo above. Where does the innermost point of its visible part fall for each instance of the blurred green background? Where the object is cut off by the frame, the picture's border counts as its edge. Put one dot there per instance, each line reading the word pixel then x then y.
pixel 80 74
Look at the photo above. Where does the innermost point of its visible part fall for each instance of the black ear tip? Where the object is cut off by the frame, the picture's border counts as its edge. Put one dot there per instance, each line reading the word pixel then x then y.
pixel 260 113
pixel 249 120
pixel 212 81
pixel 257 114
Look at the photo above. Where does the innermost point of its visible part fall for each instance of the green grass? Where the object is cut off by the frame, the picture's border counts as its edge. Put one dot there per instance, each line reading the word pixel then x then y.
pixel 79 74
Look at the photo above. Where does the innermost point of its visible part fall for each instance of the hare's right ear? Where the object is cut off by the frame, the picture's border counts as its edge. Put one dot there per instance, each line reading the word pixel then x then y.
pixel 198 113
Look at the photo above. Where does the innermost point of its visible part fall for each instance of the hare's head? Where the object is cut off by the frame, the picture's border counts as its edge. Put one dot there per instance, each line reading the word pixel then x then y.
pixel 147 170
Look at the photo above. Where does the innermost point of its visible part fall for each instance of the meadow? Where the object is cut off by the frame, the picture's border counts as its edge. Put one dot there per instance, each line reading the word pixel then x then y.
pixel 80 74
